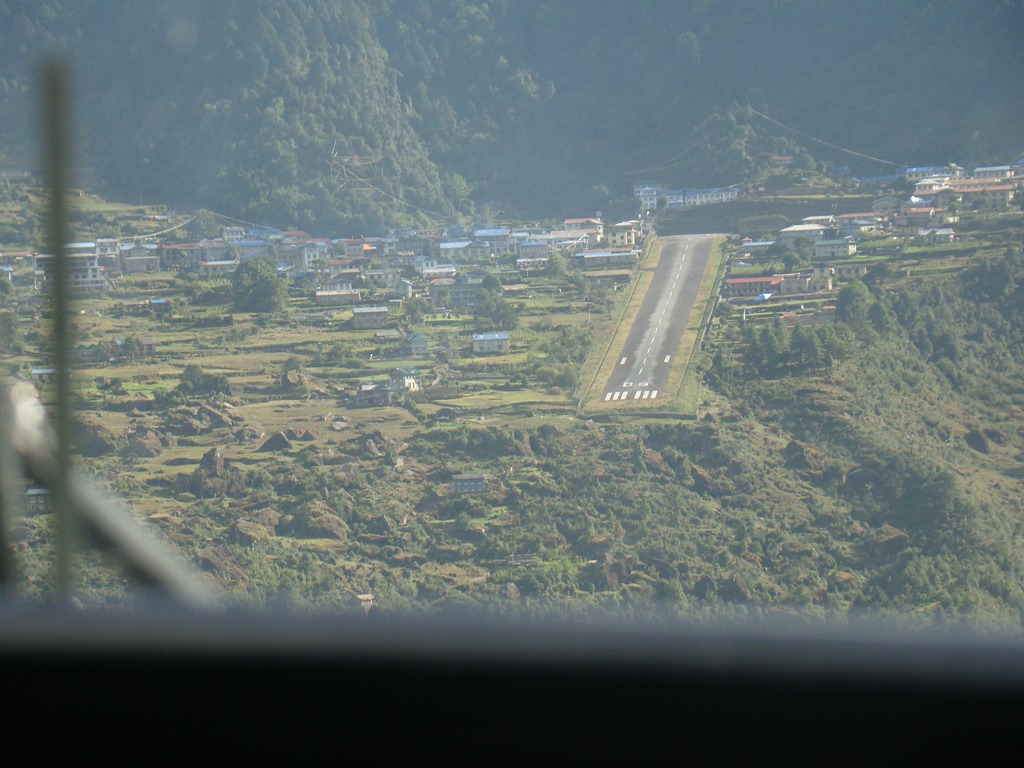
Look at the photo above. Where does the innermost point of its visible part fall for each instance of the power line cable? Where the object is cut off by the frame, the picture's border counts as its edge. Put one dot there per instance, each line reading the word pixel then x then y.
pixel 672 161
pixel 232 220
pixel 822 141
pixel 432 214
pixel 163 231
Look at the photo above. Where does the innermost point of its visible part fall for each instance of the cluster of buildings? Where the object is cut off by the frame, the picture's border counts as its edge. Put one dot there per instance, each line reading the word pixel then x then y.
pixel 373 275
pixel 927 214
pixel 338 270
pixel 649 194
pixel 381 393
pixel 938 186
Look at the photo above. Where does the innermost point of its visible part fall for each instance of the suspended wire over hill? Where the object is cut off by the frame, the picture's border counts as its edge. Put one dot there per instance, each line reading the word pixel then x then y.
pixel 822 141
pixel 163 231
pixel 432 214
pixel 675 160
pixel 232 220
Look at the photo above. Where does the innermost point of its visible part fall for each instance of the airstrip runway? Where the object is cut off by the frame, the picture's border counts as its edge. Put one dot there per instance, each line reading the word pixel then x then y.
pixel 643 364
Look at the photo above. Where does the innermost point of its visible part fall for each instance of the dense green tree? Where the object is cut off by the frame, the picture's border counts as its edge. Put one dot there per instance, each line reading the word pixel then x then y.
pixel 579 283
pixel 349 114
pixel 491 284
pixel 292 364
pixel 256 287
pixel 441 295
pixel 556 265
pixel 853 305
pixel 10 334
pixel 806 348
pixel 416 308
pixel 498 312
pixel 196 381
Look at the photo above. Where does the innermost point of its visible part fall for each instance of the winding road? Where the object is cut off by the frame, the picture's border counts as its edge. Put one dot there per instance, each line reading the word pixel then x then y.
pixel 643 364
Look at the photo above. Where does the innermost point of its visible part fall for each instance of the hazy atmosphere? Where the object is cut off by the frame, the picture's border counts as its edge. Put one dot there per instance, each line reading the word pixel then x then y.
pixel 677 308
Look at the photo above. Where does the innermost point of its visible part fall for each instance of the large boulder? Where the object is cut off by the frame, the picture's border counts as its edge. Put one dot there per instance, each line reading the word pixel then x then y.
pixel 318 520
pixel 802 456
pixel 249 434
pixel 277 442
pixel 213 462
pixel 655 462
pixel 144 445
pixel 250 534
pixel 703 482
pixel 978 440
pixel 215 477
pixel 215 417
pixel 735 590
pixel 93 439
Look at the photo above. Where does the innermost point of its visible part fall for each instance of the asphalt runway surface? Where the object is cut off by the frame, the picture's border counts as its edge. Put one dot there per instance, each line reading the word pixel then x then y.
pixel 643 363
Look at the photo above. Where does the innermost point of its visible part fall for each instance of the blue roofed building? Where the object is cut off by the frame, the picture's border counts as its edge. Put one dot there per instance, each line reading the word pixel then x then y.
pixel 498 239
pixel 484 343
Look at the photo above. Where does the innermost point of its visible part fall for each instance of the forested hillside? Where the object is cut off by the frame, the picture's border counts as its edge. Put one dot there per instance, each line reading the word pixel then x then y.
pixel 352 114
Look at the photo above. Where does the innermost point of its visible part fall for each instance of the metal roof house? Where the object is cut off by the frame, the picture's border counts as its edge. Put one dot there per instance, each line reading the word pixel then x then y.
pixel 491 342
pixel 468 483
pixel 369 317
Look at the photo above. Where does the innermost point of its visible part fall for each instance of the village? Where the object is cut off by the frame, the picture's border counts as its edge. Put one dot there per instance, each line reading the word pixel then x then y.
pixel 826 245
pixel 377 288
pixel 475 285
pixel 238 391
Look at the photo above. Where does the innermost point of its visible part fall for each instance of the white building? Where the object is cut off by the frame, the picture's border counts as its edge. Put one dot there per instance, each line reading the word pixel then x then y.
pixel 84 272
pixel 835 249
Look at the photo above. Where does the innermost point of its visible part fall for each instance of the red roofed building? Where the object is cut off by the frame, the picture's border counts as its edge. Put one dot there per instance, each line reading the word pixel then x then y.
pixel 752 286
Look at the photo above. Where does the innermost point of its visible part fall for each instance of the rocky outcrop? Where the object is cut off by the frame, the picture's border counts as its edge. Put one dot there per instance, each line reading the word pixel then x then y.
pixel 977 440
pixel 318 520
pixel 93 440
pixel 250 534
pixel 249 434
pixel 145 444
pixel 215 477
pixel 276 443
pixel 802 456
pixel 655 462
pixel 196 420
pixel 703 482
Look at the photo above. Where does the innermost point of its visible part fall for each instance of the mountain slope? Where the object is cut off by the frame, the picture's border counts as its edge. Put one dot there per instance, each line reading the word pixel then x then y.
pixel 358 113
